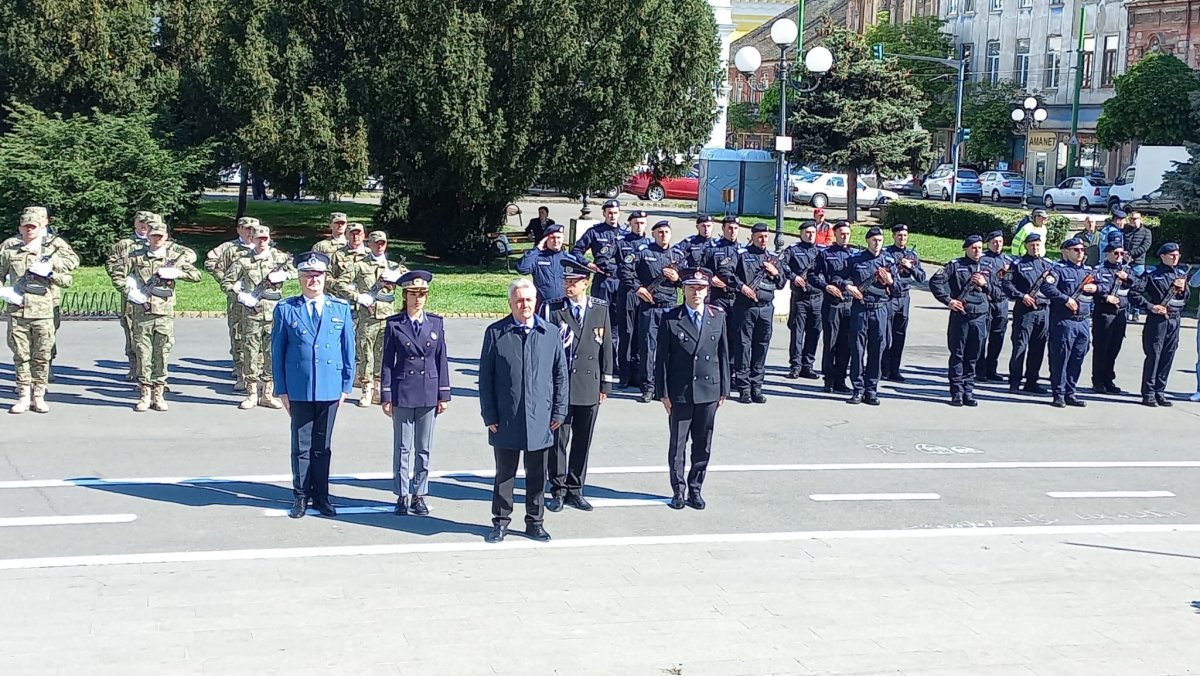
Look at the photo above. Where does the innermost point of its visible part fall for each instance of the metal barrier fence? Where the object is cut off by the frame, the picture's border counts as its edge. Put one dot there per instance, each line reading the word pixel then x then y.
pixel 83 304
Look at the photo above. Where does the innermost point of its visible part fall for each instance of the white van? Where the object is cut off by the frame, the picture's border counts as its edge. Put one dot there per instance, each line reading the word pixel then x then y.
pixel 1145 175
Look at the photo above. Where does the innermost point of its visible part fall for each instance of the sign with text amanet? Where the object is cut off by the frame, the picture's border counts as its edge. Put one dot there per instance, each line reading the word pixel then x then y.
pixel 1043 141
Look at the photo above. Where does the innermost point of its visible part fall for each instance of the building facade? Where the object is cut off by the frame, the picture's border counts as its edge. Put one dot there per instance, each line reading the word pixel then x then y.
pixel 1171 26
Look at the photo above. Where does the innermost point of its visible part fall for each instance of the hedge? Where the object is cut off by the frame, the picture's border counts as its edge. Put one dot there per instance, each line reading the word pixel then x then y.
pixel 960 221
pixel 1183 229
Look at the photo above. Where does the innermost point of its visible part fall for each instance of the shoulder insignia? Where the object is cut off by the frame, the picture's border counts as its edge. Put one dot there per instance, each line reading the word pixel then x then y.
pixel 630 258
pixel 434 315
pixel 716 308
pixel 599 301
pixel 336 300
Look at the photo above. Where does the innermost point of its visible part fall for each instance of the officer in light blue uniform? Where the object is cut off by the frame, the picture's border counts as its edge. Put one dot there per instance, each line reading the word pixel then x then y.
pixel 312 355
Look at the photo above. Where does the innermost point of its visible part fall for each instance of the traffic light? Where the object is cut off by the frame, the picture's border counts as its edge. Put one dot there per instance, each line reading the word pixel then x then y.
pixel 877 51
pixel 964 135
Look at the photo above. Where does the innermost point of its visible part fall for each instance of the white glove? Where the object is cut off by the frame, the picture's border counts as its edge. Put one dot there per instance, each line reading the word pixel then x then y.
pixel 391 276
pixel 41 268
pixel 247 299
pixel 277 277
pixel 170 273
pixel 10 295
pixel 131 284
pixel 365 300
pixel 137 297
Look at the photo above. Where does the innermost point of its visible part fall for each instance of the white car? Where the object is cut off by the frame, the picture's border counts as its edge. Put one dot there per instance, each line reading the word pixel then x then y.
pixel 828 189
pixel 1083 192
pixel 1004 185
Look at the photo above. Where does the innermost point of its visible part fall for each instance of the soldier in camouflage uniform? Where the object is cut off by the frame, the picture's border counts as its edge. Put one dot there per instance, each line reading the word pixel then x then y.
pixel 256 281
pixel 116 255
pixel 217 263
pixel 341 286
pixel 68 255
pixel 147 278
pixel 336 242
pixel 33 270
pixel 374 278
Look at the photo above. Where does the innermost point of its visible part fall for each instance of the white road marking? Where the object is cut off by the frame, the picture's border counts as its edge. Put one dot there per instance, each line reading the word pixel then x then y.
pixel 14 521
pixel 646 469
pixel 599 503
pixel 1110 494
pixel 857 497
pixel 515 541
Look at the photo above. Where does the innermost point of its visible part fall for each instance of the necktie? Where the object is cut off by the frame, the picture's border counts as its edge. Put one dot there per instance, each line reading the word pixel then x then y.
pixel 312 312
pixel 417 327
pixel 578 312
pixel 696 319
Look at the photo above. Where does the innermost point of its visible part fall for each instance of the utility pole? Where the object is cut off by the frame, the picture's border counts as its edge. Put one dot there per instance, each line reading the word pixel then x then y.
pixel 800 25
pixel 1073 142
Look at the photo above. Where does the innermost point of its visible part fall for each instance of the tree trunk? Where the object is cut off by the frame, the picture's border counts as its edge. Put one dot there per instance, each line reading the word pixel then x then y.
pixel 245 183
pixel 851 194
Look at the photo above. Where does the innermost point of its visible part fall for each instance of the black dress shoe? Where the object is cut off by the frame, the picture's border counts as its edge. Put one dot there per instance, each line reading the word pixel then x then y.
pixel 970 401
pixel 647 397
pixel 1035 389
pixel 744 398
pixel 1058 403
pixel 956 402
pixel 534 531
pixel 419 507
pixel 401 508
pixel 793 374
pixel 299 506
pixel 695 501
pixel 676 501
pixel 870 400
pixel 843 389
pixel 896 377
pixel 827 389
pixel 324 507
pixel 1113 389
pixel 854 399
pixel 1150 401
pixel 496 535
pixel 579 503
pixel 1014 388
pixel 809 374
pixel 758 398
pixel 1162 400
pixel 554 504
pixel 1077 403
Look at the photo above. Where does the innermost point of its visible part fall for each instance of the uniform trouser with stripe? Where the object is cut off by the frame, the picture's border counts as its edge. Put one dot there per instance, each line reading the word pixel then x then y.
pixel 412 440
pixel 566 463
pixel 695 422
pixel 964 339
pixel 1108 330
pixel 1030 330
pixel 868 335
pixel 754 322
pixel 893 355
pixel 804 325
pixel 835 357
pixel 1160 339
pixel 1069 343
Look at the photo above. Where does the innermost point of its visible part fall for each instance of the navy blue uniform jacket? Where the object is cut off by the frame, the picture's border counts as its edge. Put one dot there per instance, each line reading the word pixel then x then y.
pixel 415 373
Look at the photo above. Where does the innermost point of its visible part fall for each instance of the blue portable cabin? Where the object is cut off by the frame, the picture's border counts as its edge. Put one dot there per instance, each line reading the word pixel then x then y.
pixel 750 173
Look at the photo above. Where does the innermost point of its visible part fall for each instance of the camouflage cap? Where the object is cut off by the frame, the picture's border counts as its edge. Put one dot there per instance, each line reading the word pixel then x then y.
pixel 337 216
pixel 30 218
pixel 355 226
pixel 378 236
pixel 144 216
pixel 156 225
pixel 37 215
pixel 247 222
pixel 257 231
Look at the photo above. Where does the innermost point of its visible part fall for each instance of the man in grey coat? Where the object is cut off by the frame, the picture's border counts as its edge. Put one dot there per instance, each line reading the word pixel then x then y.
pixel 523 399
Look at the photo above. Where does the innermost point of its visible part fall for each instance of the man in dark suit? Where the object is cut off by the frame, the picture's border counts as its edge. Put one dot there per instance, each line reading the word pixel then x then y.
pixel 537 226
pixel 691 378
pixel 312 357
pixel 586 331
pixel 414 389
pixel 523 400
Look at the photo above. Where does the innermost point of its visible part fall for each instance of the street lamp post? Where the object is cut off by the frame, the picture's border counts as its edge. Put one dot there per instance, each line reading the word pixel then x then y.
pixel 1027 117
pixel 817 61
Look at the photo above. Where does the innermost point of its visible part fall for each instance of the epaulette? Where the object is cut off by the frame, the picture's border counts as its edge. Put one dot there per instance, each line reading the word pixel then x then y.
pixel 556 304
pixel 714 309
pixel 434 315
pixel 599 301
pixel 337 300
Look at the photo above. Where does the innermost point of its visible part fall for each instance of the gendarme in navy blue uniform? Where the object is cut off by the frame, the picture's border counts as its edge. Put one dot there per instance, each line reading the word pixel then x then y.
pixel 1000 265
pixel 1031 325
pixel 600 240
pixel 800 262
pixel 835 317
pixel 1160 337
pixel 754 319
pixel 869 318
pixel 625 308
pixel 1109 321
pixel 966 328
pixel 893 356
pixel 649 267
pixel 545 266
pixel 1070 335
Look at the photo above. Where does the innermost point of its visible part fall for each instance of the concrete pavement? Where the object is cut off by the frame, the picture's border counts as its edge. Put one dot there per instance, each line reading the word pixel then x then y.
pixel 910 538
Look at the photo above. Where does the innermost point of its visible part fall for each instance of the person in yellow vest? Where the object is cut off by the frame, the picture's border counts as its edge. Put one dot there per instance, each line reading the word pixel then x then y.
pixel 257 281
pixel 116 255
pixel 1035 222
pixel 148 278
pixel 217 263
pixel 31 269
pixel 374 278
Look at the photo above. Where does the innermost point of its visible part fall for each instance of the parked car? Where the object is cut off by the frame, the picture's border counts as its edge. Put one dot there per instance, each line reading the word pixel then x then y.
pixel 1004 185
pixel 644 185
pixel 1082 191
pixel 1154 203
pixel 938 184
pixel 828 189
pixel 904 186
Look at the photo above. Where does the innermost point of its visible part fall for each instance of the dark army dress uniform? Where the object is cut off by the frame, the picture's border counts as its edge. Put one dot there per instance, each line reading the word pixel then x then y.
pixel 966 330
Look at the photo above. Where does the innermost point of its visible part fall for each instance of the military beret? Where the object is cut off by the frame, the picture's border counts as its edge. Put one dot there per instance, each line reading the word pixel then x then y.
pixel 637 214
pixel 551 229
pixel 337 216
pixel 731 219
pixel 1033 237
pixel 247 222
pixel 311 261
pixel 899 227
pixel 695 276
pixel 840 224
pixel 1040 212
pixel 378 236
pixel 1071 243
pixel 973 239
pixel 612 204
pixel 1112 246
pixel 351 227
pixel 994 234
pixel 874 232
pixel 1118 212
pixel 1169 247
pixel 415 279
pixel 809 224
pixel 661 224
pixel 760 227
pixel 573 269
pixel 260 231
pixel 703 218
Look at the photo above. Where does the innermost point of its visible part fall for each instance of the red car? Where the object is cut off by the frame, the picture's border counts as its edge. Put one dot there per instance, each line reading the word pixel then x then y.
pixel 644 185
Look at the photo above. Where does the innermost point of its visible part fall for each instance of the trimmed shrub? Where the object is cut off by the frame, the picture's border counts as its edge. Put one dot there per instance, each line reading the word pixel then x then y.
pixel 960 221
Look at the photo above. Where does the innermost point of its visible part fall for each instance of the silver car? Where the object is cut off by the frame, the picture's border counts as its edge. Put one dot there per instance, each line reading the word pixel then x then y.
pixel 1004 185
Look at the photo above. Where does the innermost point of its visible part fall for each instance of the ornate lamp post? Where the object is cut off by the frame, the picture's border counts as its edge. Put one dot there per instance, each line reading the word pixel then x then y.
pixel 817 61
pixel 1027 117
